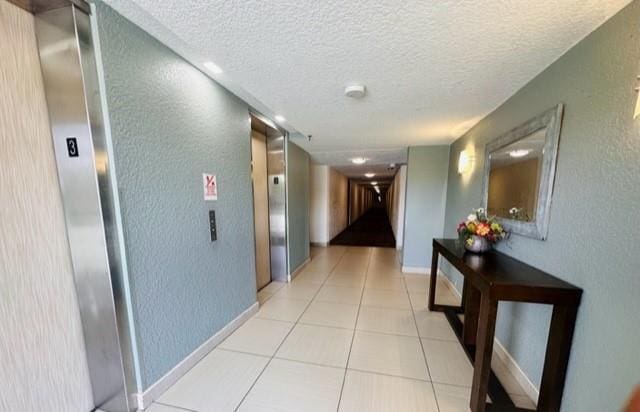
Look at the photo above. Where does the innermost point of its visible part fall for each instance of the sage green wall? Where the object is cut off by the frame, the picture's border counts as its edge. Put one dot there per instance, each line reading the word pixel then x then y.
pixel 593 237
pixel 425 202
pixel 297 205
pixel 169 124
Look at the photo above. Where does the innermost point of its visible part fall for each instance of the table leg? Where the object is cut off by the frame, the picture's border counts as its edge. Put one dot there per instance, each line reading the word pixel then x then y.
pixel 432 279
pixel 484 350
pixel 471 306
pixel 563 321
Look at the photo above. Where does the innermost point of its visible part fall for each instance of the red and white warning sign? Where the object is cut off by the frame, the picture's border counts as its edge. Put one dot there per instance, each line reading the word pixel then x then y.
pixel 210 186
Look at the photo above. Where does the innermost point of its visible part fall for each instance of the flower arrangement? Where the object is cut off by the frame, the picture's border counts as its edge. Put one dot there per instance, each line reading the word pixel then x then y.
pixel 479 231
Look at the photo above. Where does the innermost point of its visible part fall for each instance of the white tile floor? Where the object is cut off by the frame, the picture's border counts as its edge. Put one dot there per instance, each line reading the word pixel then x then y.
pixel 350 333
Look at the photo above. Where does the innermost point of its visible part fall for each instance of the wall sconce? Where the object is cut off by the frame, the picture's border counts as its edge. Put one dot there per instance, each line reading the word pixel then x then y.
pixel 464 162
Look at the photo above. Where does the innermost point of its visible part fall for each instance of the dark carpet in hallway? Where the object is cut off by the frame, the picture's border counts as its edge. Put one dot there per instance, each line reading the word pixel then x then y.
pixel 371 229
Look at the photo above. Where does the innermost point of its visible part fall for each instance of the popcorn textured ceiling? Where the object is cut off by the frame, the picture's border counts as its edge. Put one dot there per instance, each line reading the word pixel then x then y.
pixel 432 68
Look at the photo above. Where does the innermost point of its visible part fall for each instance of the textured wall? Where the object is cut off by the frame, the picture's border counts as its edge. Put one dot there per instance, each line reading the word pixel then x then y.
pixel 360 200
pixel 425 199
pixel 593 237
pixel 297 205
pixel 396 196
pixel 42 352
pixel 319 203
pixel 170 123
pixel 338 193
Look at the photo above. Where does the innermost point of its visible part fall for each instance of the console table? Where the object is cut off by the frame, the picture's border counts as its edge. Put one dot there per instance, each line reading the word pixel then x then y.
pixel 488 279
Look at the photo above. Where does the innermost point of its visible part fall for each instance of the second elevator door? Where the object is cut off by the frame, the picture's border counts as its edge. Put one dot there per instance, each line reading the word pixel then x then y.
pixel 260 208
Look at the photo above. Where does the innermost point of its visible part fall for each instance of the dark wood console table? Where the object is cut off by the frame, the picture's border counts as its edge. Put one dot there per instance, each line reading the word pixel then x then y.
pixel 488 279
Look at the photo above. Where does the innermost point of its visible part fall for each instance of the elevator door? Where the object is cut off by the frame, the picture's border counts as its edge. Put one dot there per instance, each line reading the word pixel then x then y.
pixel 260 207
pixel 42 351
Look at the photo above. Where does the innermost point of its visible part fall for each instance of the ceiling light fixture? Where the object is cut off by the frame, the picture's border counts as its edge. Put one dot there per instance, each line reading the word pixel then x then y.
pixel 358 160
pixel 519 153
pixel 212 67
pixel 374 183
pixel 369 175
pixel 280 118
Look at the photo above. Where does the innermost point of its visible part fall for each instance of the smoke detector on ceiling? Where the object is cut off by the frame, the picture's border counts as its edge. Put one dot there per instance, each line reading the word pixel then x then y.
pixel 356 91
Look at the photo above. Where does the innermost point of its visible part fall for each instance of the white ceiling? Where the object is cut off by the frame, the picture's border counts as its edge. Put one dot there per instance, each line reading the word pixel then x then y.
pixel 432 68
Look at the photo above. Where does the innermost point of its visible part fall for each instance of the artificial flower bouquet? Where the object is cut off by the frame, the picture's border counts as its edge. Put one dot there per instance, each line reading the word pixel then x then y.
pixel 480 228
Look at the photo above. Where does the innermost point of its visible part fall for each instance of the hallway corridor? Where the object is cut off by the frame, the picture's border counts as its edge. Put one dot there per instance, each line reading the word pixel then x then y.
pixel 350 333
pixel 370 229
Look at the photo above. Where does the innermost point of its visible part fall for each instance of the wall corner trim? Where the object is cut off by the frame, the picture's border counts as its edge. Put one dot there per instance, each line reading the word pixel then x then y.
pixel 502 355
pixel 144 400
pixel 423 270
pixel 299 269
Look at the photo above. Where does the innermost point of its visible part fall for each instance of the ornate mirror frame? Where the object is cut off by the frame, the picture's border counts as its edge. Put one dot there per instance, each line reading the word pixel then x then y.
pixel 552 121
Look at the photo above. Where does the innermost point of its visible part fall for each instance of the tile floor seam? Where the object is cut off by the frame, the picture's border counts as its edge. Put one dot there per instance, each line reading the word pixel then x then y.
pixel 388 333
pixel 355 328
pixel 309 363
pixel 281 343
pixel 413 313
pixel 307 323
pixel 390 375
pixel 175 406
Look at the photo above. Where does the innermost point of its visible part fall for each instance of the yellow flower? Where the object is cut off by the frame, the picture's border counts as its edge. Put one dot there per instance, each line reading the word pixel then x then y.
pixel 471 227
pixel 496 227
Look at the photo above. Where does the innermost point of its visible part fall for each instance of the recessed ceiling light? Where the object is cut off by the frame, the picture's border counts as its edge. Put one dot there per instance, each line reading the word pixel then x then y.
pixel 212 67
pixel 358 160
pixel 369 175
pixel 374 183
pixel 519 153
pixel 280 118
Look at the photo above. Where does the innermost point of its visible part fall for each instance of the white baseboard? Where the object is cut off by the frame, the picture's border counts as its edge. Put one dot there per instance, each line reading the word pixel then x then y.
pixel 501 354
pixel 145 399
pixel 320 244
pixel 299 269
pixel 416 269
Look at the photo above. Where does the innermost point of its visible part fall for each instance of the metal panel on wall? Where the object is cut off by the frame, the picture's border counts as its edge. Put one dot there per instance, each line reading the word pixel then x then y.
pixel 70 81
pixel 276 171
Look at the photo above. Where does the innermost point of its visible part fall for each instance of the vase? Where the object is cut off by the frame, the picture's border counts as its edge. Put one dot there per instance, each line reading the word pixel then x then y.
pixel 480 244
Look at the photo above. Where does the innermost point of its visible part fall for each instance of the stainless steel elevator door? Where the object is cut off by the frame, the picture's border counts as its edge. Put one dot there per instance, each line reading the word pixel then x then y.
pixel 276 164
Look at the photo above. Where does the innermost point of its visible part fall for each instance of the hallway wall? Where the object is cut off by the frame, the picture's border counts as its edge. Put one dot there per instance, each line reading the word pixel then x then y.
pixel 298 176
pixel 170 123
pixel 319 204
pixel 42 351
pixel 360 200
pixel 427 170
pixel 338 193
pixel 396 198
pixel 328 203
pixel 593 238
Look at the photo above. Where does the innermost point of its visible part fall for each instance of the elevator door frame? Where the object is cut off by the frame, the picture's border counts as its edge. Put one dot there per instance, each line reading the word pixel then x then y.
pixel 69 71
pixel 277 193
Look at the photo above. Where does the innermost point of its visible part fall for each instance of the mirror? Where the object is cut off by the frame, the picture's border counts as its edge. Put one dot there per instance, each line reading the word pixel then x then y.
pixel 519 174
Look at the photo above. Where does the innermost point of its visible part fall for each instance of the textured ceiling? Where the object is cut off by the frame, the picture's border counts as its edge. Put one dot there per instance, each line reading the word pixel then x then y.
pixel 432 68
